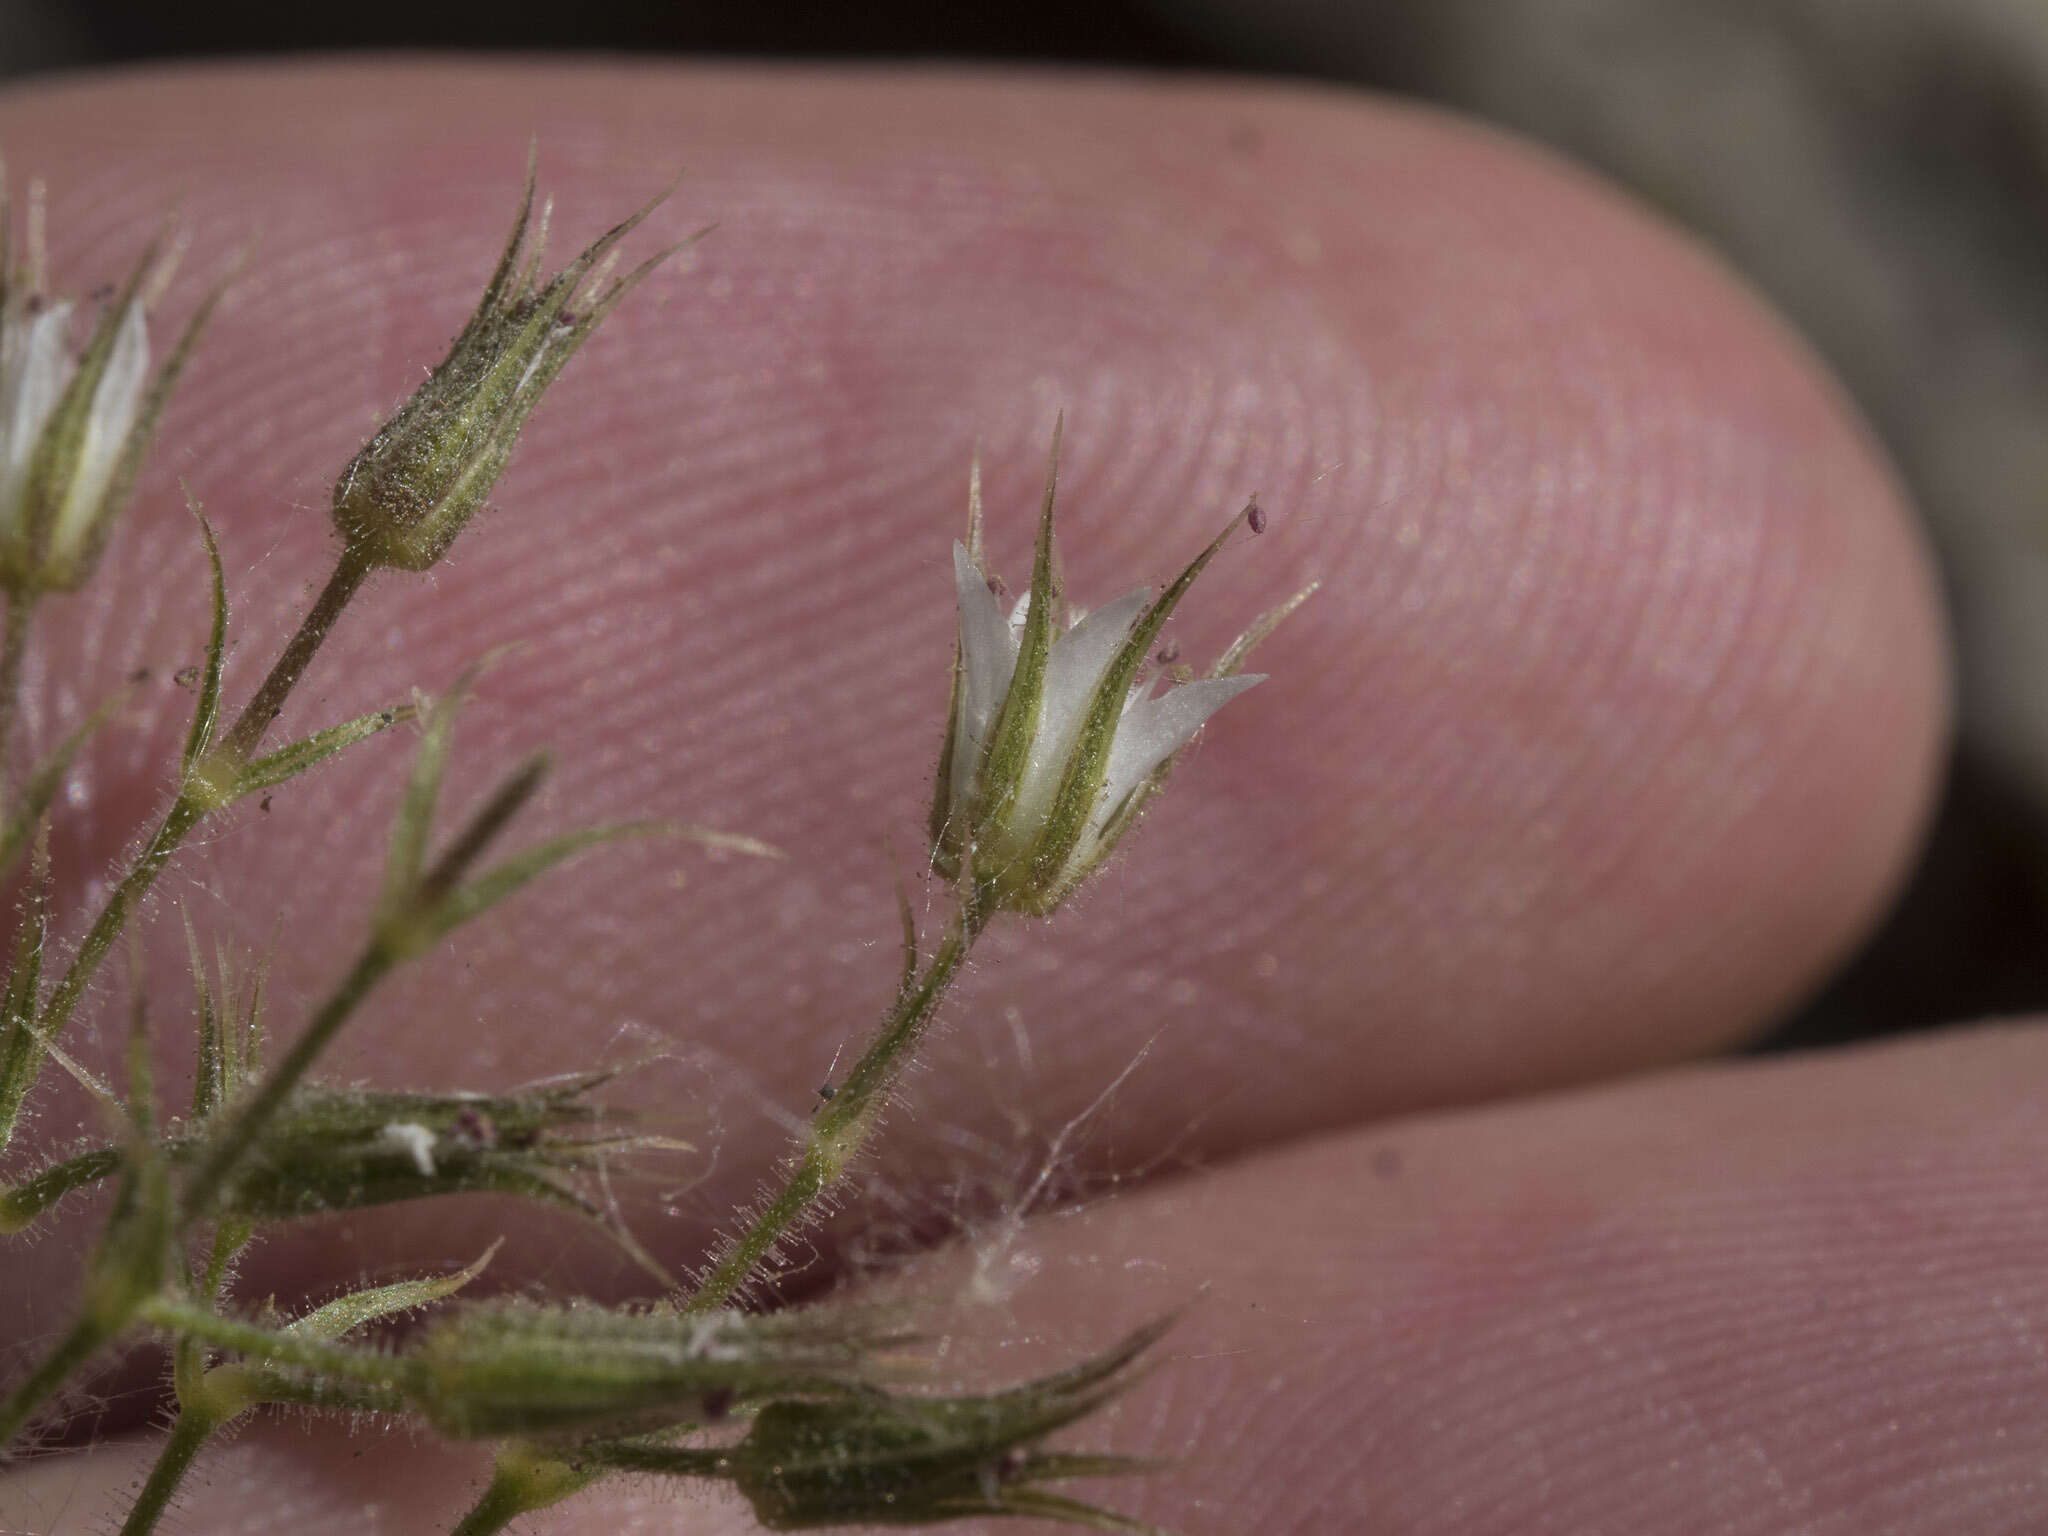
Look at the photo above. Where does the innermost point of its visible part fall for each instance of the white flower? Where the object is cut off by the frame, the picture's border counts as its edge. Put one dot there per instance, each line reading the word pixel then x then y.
pixel 35 365
pixel 1149 729
pixel 73 429
pixel 1057 737
pixel 83 420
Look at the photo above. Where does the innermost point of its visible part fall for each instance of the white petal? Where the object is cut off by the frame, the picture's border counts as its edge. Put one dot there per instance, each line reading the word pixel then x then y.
pixel 115 405
pixel 1154 729
pixel 988 655
pixel 1072 674
pixel 34 368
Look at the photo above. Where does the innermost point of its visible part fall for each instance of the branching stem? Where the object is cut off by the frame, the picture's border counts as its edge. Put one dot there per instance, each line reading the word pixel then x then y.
pixel 193 804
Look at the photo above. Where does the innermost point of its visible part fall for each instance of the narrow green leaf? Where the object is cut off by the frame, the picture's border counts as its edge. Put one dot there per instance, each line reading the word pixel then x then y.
pixel 466 902
pixel 346 1313
pixel 288 762
pixel 414 823
pixel 22 1203
pixel 209 1068
pixel 20 1052
pixel 206 712
pixel 482 829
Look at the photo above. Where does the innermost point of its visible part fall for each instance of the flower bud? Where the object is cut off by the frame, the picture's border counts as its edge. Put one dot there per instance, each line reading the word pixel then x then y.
pixel 412 489
pixel 327 1151
pixel 1055 738
pixel 73 431
pixel 897 1460
pixel 515 1368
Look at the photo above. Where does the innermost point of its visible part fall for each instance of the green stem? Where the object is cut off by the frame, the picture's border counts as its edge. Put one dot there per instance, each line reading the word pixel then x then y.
pixel 843 1126
pixel 77 1347
pixel 381 1373
pixel 375 962
pixel 240 743
pixel 497 1507
pixel 191 807
pixel 21 607
pixel 188 1435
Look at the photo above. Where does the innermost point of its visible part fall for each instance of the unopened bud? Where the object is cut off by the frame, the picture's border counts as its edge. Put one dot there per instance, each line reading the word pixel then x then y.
pixel 329 1151
pixel 536 1371
pixel 413 488
pixel 897 1460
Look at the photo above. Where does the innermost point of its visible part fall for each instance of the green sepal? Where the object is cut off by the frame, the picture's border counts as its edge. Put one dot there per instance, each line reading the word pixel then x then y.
pixel 1229 664
pixel 55 462
pixel 229 1052
pixel 519 1369
pixel 948 822
pixel 882 1459
pixel 35 566
pixel 1040 877
pixel 1016 728
pixel 407 495
pixel 327 1151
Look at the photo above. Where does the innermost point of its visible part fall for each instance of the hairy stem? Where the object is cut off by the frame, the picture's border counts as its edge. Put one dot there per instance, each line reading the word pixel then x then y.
pixel 21 607
pixel 381 1373
pixel 240 743
pixel 843 1126
pixel 185 814
pixel 193 804
pixel 191 1432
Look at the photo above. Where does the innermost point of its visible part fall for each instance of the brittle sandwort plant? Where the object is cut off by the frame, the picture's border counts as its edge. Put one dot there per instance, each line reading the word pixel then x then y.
pixel 1062 727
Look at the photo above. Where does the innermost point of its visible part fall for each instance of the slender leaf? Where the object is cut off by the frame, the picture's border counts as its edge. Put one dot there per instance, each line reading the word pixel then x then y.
pixel 287 762
pixel 20 1053
pixel 346 1313
pixel 206 712
pixel 22 1203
